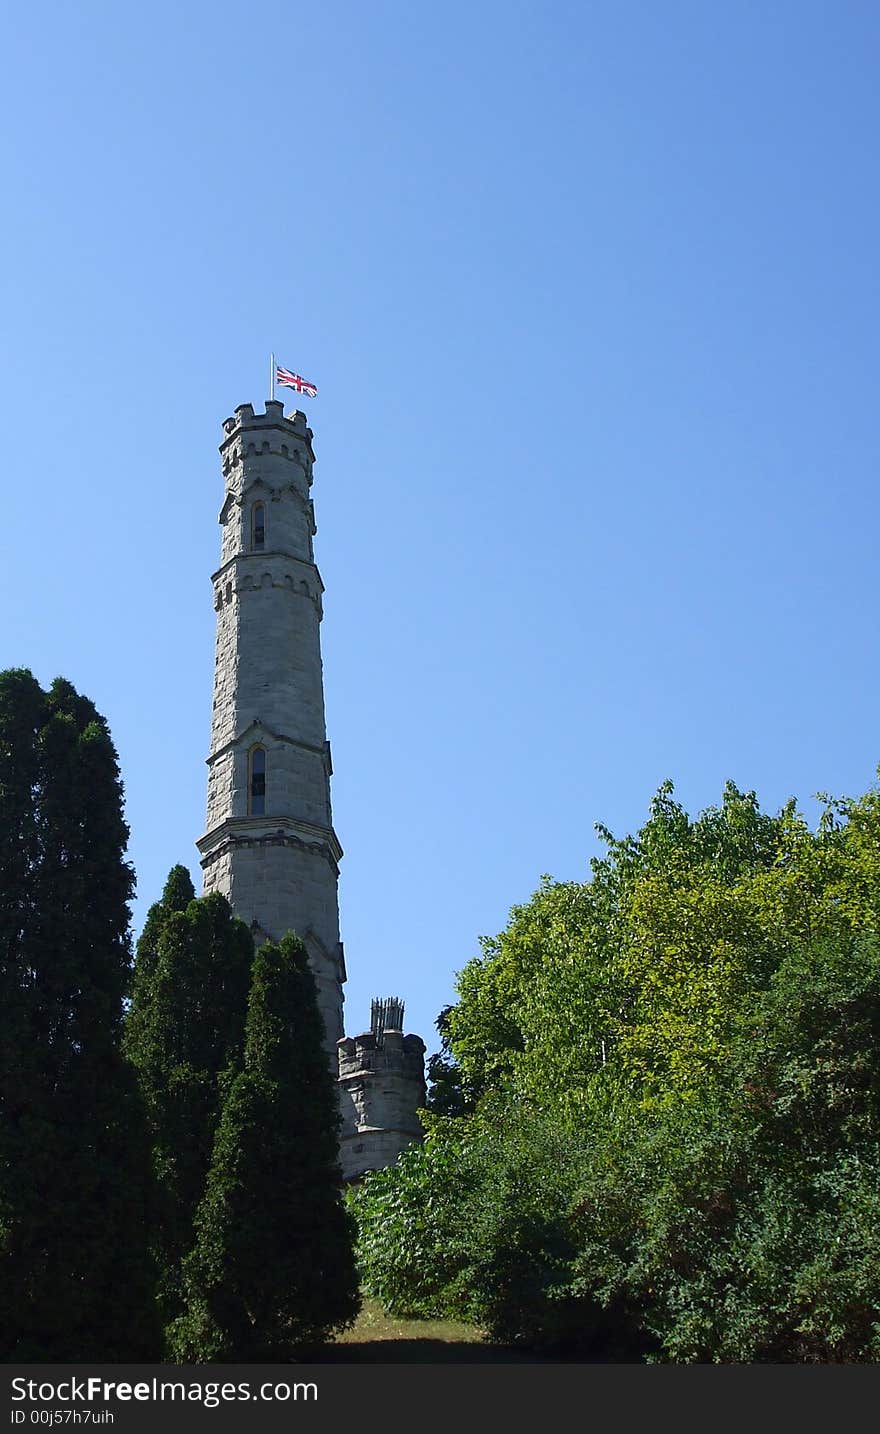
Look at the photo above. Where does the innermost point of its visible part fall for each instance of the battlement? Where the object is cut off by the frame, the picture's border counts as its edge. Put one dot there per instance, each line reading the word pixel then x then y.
pixel 390 1053
pixel 265 436
pixel 381 1090
pixel 245 418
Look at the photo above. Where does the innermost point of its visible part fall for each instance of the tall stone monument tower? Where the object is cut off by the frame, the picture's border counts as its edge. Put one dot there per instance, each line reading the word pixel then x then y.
pixel 270 847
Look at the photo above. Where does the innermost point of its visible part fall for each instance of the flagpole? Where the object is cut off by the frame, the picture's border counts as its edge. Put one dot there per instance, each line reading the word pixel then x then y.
pixel 272 376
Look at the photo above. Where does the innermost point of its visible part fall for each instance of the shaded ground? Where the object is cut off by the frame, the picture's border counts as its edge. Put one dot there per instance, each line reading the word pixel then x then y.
pixel 377 1338
pixel 422 1351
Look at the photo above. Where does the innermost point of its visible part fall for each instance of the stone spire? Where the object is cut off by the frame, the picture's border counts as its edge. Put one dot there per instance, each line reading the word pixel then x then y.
pixel 270 847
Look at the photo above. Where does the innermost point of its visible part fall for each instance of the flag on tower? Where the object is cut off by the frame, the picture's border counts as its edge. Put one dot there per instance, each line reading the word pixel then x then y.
pixel 293 380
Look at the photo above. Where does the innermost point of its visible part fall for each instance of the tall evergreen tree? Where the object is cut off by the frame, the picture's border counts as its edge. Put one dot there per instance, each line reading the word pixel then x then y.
pixel 273 1266
pixel 177 894
pixel 76 1282
pixel 185 1028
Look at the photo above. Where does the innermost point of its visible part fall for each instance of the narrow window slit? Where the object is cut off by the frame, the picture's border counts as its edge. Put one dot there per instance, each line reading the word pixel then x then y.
pixel 257 785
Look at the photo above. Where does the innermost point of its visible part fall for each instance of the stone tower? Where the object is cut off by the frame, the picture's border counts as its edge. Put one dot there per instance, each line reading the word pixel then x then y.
pixel 269 845
pixel 381 1086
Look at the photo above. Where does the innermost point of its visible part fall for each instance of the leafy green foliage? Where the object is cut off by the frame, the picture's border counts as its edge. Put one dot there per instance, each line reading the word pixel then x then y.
pixel 448 1091
pixel 479 1224
pixel 744 1226
pixel 76 1281
pixel 272 1269
pixel 673 1137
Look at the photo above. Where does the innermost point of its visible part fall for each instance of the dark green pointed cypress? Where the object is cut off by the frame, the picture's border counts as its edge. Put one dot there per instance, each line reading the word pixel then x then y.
pixel 76 1282
pixel 177 894
pixel 273 1268
pixel 184 1030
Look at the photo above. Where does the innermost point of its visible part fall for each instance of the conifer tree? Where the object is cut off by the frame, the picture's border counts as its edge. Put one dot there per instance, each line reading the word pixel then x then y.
pixel 177 894
pixel 185 1028
pixel 273 1266
pixel 76 1281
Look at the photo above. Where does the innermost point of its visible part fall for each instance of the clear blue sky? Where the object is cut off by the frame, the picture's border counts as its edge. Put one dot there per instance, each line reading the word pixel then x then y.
pixel 590 292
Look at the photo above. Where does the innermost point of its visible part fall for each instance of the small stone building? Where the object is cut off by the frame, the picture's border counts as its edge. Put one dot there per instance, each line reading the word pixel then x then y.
pixel 382 1085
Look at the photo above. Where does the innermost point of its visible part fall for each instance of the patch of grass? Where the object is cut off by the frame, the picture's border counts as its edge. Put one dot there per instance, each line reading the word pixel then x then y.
pixel 374 1324
pixel 379 1338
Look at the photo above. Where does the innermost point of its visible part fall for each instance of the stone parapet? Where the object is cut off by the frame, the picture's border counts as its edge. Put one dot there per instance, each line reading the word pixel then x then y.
pixel 393 1051
pixel 382 1089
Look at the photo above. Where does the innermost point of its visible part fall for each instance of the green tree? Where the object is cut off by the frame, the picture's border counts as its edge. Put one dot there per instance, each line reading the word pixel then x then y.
pixel 688 1045
pixel 184 1032
pixel 481 1223
pixel 448 1092
pixel 642 967
pixel 802 1128
pixel 273 1266
pixel 76 1281
pixel 177 894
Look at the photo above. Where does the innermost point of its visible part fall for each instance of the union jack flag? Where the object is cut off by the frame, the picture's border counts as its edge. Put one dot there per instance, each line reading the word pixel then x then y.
pixel 293 380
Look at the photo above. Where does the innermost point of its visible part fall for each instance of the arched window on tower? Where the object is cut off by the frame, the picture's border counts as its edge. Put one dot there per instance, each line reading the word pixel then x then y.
pixel 257 782
pixel 258 526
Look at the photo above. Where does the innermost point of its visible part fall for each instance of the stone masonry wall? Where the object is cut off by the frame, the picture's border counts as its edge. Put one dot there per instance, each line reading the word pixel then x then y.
pixel 278 868
pixel 382 1085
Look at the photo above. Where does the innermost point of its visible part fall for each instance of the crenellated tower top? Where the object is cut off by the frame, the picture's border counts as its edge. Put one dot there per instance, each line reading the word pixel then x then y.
pixel 382 1088
pixel 248 436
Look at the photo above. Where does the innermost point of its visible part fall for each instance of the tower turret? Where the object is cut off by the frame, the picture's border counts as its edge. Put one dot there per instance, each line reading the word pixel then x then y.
pixel 269 846
pixel 381 1087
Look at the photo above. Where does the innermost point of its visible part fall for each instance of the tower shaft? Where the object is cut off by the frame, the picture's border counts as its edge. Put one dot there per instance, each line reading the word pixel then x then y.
pixel 269 846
